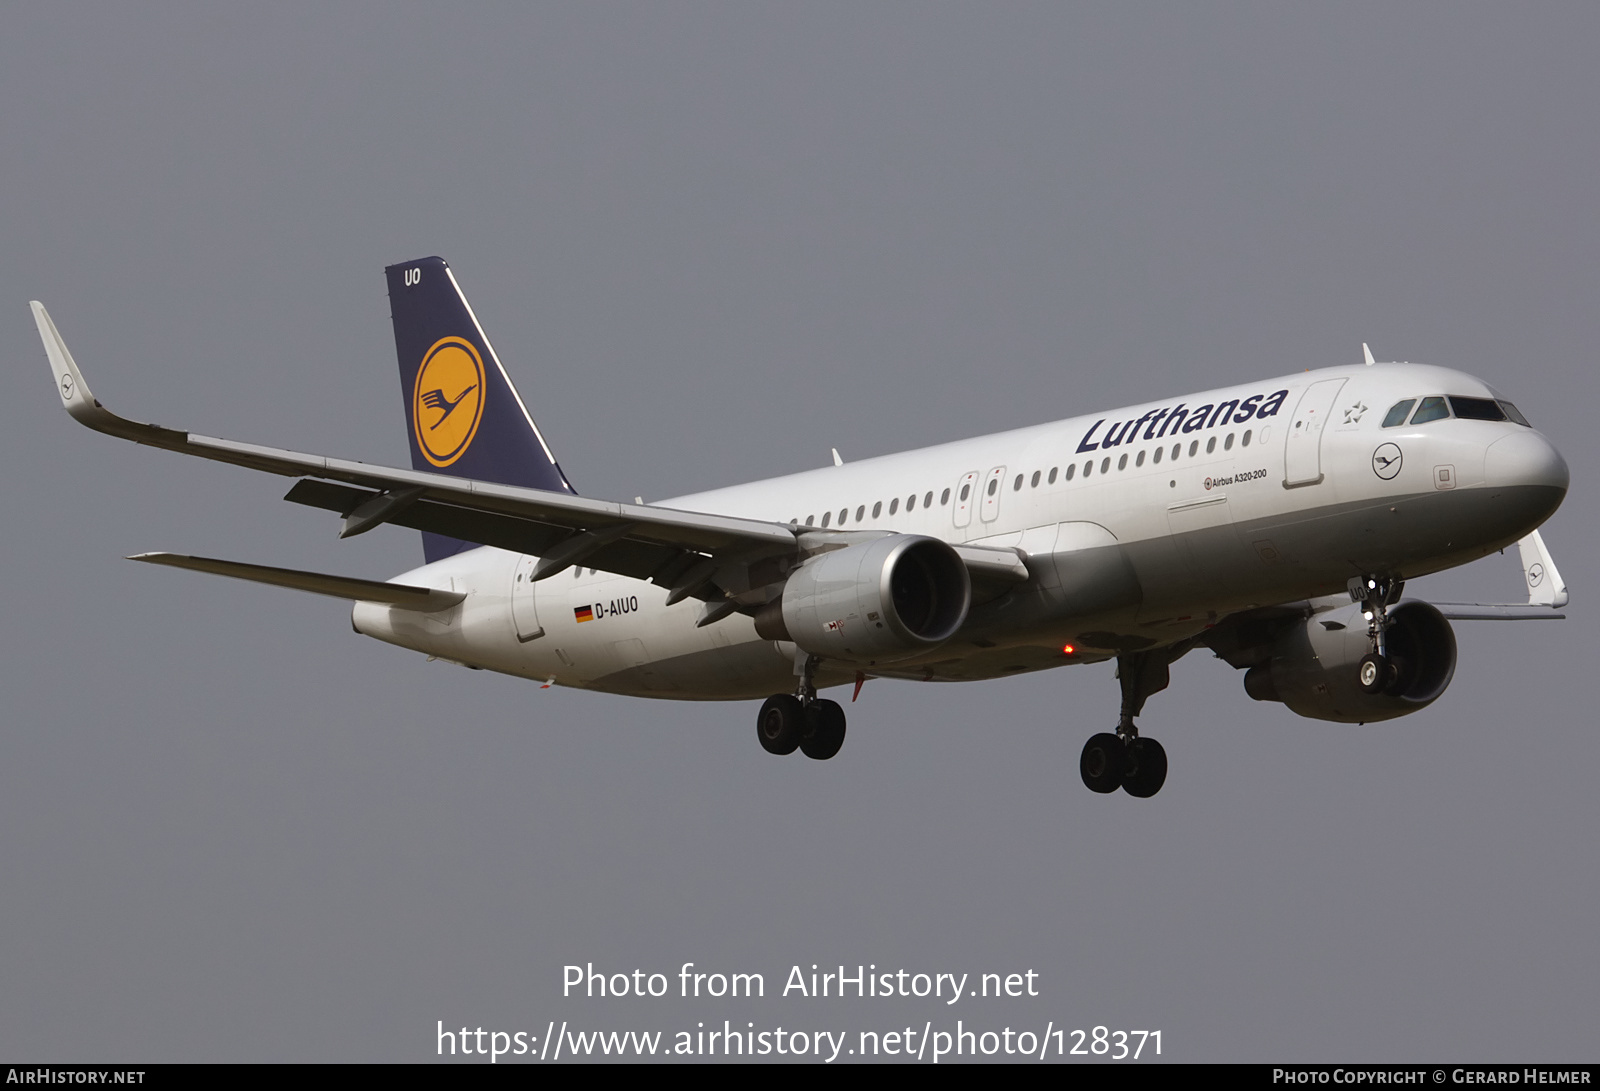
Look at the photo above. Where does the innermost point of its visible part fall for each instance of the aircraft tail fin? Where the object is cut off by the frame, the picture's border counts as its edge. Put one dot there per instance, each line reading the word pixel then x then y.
pixel 463 415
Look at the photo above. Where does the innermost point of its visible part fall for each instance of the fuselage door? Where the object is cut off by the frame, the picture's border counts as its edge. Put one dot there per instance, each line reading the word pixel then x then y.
pixel 989 509
pixel 524 614
pixel 1302 453
pixel 965 498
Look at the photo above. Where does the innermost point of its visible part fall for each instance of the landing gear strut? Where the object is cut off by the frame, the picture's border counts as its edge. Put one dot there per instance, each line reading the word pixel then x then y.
pixel 1125 760
pixel 1378 671
pixel 802 720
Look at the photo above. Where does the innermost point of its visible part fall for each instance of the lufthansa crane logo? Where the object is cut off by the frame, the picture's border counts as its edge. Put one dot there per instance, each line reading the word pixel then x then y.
pixel 447 404
pixel 1386 461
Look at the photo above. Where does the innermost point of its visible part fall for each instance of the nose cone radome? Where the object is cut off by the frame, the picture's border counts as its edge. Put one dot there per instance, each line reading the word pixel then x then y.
pixel 1526 459
pixel 1528 478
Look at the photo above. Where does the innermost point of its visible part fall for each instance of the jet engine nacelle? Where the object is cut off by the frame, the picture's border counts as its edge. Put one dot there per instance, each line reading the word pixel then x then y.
pixel 873 602
pixel 1313 668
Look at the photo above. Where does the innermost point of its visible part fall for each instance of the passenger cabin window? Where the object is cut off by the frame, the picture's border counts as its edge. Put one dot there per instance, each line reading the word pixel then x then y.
pixel 1052 478
pixel 894 505
pixel 1105 465
pixel 927 501
pixel 1476 408
pixel 1122 463
pixel 826 516
pixel 810 519
pixel 1211 444
pixel 1159 452
pixel 861 513
pixel 877 509
pixel 911 502
pixel 944 498
pixel 1227 444
pixel 1140 460
pixel 1244 440
pixel 1033 482
pixel 1016 486
pixel 1397 415
pixel 1072 469
pixel 1194 445
pixel 1431 409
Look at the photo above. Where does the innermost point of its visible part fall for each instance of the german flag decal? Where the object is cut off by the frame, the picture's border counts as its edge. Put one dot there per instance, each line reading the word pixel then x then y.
pixel 583 613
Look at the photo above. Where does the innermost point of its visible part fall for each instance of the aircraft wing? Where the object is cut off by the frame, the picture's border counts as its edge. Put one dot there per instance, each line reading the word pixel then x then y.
pixel 1547 591
pixel 631 539
pixel 696 554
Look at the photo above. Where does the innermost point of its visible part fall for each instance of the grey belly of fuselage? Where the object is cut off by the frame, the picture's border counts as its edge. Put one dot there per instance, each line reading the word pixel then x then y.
pixel 1137 595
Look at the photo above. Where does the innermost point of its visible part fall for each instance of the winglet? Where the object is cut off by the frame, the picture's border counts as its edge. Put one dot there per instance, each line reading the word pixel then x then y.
pixel 1545 585
pixel 1366 354
pixel 79 400
pixel 76 397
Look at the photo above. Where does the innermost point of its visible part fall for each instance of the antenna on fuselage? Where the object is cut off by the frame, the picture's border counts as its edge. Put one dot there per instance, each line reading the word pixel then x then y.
pixel 1367 352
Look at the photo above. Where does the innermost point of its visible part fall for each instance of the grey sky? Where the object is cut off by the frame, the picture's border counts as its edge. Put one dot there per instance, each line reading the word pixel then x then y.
pixel 710 242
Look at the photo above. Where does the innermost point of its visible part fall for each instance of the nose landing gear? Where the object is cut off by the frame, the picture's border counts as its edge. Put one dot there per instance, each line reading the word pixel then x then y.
pixel 1378 671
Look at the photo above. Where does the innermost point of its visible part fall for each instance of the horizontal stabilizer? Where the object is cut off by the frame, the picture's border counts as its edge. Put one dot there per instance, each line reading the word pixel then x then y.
pixel 426 599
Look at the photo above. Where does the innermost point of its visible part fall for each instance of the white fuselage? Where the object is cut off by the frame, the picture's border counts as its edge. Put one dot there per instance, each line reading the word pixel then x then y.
pixel 1140 527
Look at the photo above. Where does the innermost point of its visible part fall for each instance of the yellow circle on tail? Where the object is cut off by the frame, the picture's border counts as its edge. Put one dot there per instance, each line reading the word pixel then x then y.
pixel 447 403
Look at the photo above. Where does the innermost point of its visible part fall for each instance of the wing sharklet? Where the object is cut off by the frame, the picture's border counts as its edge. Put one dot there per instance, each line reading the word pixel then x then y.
pixel 1545 585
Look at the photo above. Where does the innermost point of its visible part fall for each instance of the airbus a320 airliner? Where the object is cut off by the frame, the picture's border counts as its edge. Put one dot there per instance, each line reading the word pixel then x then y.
pixel 1274 523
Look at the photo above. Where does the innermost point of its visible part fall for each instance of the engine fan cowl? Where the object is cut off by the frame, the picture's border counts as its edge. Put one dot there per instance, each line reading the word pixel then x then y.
pixel 873 602
pixel 1313 667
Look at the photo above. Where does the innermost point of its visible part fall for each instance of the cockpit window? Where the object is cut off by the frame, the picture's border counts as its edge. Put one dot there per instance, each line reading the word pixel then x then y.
pixel 1397 416
pixel 1514 414
pixel 1476 408
pixel 1431 409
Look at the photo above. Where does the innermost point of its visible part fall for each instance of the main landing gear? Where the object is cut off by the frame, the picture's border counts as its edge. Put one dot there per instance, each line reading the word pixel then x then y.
pixel 1126 760
pixel 801 721
pixel 1379 671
